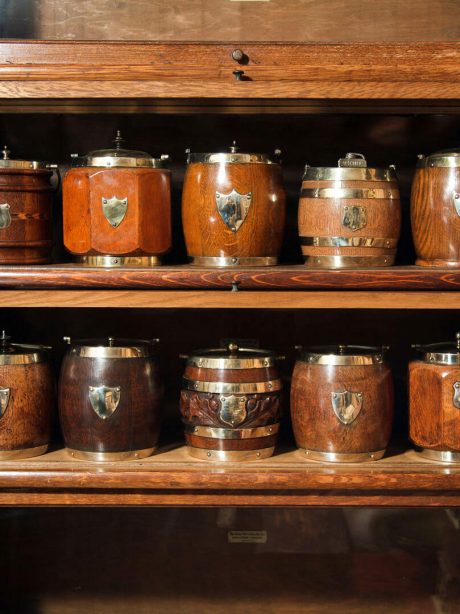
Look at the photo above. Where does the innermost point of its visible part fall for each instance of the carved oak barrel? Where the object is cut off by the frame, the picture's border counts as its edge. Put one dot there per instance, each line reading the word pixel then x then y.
pixel 117 208
pixel 26 202
pixel 233 209
pixel 110 396
pixel 435 209
pixel 434 401
pixel 27 399
pixel 342 403
pixel 231 403
pixel 350 215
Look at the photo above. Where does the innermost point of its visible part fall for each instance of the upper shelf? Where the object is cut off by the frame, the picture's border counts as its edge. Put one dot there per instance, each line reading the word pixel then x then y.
pixel 120 70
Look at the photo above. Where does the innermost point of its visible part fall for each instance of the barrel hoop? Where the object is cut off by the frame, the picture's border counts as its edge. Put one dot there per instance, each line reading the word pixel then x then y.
pixel 346 193
pixel 349 242
pixel 227 387
pixel 218 433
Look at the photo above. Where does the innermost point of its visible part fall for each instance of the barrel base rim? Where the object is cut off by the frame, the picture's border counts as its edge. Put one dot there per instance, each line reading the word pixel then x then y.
pixel 114 261
pixel 453 264
pixel 23 453
pixel 232 456
pixel 105 457
pixel 348 262
pixel 442 456
pixel 235 261
pixel 341 457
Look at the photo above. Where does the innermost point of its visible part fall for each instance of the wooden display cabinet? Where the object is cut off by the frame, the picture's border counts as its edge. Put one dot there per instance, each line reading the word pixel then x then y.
pixel 320 100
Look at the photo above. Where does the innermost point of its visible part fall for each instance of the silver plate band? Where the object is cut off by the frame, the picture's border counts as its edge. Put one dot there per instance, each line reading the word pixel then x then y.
pixel 341 361
pixel 348 262
pixel 348 242
pixel 231 363
pixel 443 456
pixel 106 457
pixel 23 453
pixel 228 388
pixel 452 160
pixel 333 457
pixel 325 173
pixel 237 456
pixel 228 158
pixel 217 433
pixel 344 193
pixel 119 261
pixel 125 162
pixel 440 358
pixel 234 261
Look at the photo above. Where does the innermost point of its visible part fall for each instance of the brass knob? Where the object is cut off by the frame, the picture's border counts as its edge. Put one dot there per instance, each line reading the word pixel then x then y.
pixel 6 152
pixel 237 55
pixel 238 74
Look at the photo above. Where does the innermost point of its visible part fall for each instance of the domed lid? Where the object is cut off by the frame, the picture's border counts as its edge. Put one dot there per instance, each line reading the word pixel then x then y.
pixel 233 156
pixel 343 355
pixel 19 353
pixel 231 357
pixel 353 166
pixel 112 347
pixel 445 157
pixel 119 157
pixel 7 162
pixel 444 353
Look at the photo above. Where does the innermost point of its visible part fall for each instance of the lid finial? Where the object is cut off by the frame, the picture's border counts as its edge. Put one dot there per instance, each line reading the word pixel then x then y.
pixel 6 152
pixel 233 348
pixel 234 149
pixel 118 140
pixel 457 336
pixel 111 341
pixel 4 338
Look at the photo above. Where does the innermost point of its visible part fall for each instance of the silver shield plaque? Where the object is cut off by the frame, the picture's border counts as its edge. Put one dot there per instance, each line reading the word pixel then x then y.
pixel 233 208
pixel 347 405
pixel 4 400
pixel 104 400
pixel 114 210
pixel 354 218
pixel 233 410
pixel 456 399
pixel 456 198
pixel 5 215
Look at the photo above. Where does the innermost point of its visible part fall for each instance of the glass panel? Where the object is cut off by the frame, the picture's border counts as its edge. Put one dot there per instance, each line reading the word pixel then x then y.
pixel 235 20
pixel 220 560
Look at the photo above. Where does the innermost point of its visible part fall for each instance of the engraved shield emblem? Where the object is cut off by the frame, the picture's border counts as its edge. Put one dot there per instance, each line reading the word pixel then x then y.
pixel 5 215
pixel 347 405
pixel 114 210
pixel 233 410
pixel 233 208
pixel 104 400
pixel 354 218
pixel 456 398
pixel 4 400
pixel 457 202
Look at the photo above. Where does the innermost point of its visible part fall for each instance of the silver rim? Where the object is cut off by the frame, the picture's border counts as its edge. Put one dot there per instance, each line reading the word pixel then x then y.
pixel 119 261
pixel 215 261
pixel 332 457
pixel 443 456
pixel 103 457
pixel 218 433
pixel 357 174
pixel 228 158
pixel 348 262
pixel 238 456
pixel 228 388
pixel 24 453
pixel 348 242
pixel 344 193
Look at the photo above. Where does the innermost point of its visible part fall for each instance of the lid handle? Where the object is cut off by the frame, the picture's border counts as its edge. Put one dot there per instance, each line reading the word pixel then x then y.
pixel 352 160
pixel 6 152
pixel 233 348
pixel 233 148
pixel 4 338
pixel 67 340
pixel 457 337
pixel 118 140
pixel 342 349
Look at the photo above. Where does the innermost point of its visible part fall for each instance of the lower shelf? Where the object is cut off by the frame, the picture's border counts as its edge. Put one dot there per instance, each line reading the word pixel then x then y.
pixel 171 478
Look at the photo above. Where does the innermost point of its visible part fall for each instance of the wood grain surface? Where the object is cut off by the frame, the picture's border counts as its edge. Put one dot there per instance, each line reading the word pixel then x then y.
pixel 261 232
pixel 144 231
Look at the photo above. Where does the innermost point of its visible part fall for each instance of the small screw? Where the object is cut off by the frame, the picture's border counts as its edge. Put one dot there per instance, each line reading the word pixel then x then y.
pixel 196 429
pixel 238 74
pixel 234 260
pixel 208 454
pixel 270 385
pixel 258 454
pixel 270 430
pixel 265 363
pixel 372 456
pixel 237 55
pixel 196 386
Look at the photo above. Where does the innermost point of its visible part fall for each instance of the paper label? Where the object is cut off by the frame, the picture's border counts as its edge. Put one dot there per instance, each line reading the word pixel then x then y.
pixel 247 537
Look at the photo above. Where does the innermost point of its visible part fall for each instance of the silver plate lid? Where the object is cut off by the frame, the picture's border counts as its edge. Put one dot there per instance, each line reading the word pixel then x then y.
pixel 343 355
pixel 352 167
pixel 446 157
pixel 7 162
pixel 444 353
pixel 231 357
pixel 233 156
pixel 119 157
pixel 20 353
pixel 112 347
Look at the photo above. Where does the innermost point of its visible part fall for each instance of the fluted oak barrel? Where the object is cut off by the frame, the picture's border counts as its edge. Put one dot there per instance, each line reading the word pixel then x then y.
pixel 27 399
pixel 342 403
pixel 230 403
pixel 233 209
pixel 110 397
pixel 349 216
pixel 434 401
pixel 435 209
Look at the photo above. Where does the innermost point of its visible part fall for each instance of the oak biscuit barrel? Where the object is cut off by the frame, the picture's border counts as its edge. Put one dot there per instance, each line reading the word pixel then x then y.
pixel 342 403
pixel 117 208
pixel 435 209
pixel 233 209
pixel 110 396
pixel 27 399
pixel 434 401
pixel 349 216
pixel 26 202
pixel 231 403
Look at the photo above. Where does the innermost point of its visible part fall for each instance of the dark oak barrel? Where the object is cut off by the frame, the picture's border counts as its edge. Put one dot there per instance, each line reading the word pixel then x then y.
pixel 349 216
pixel 27 400
pixel 342 404
pixel 434 401
pixel 117 208
pixel 230 404
pixel 435 209
pixel 110 396
pixel 26 202
pixel 233 209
